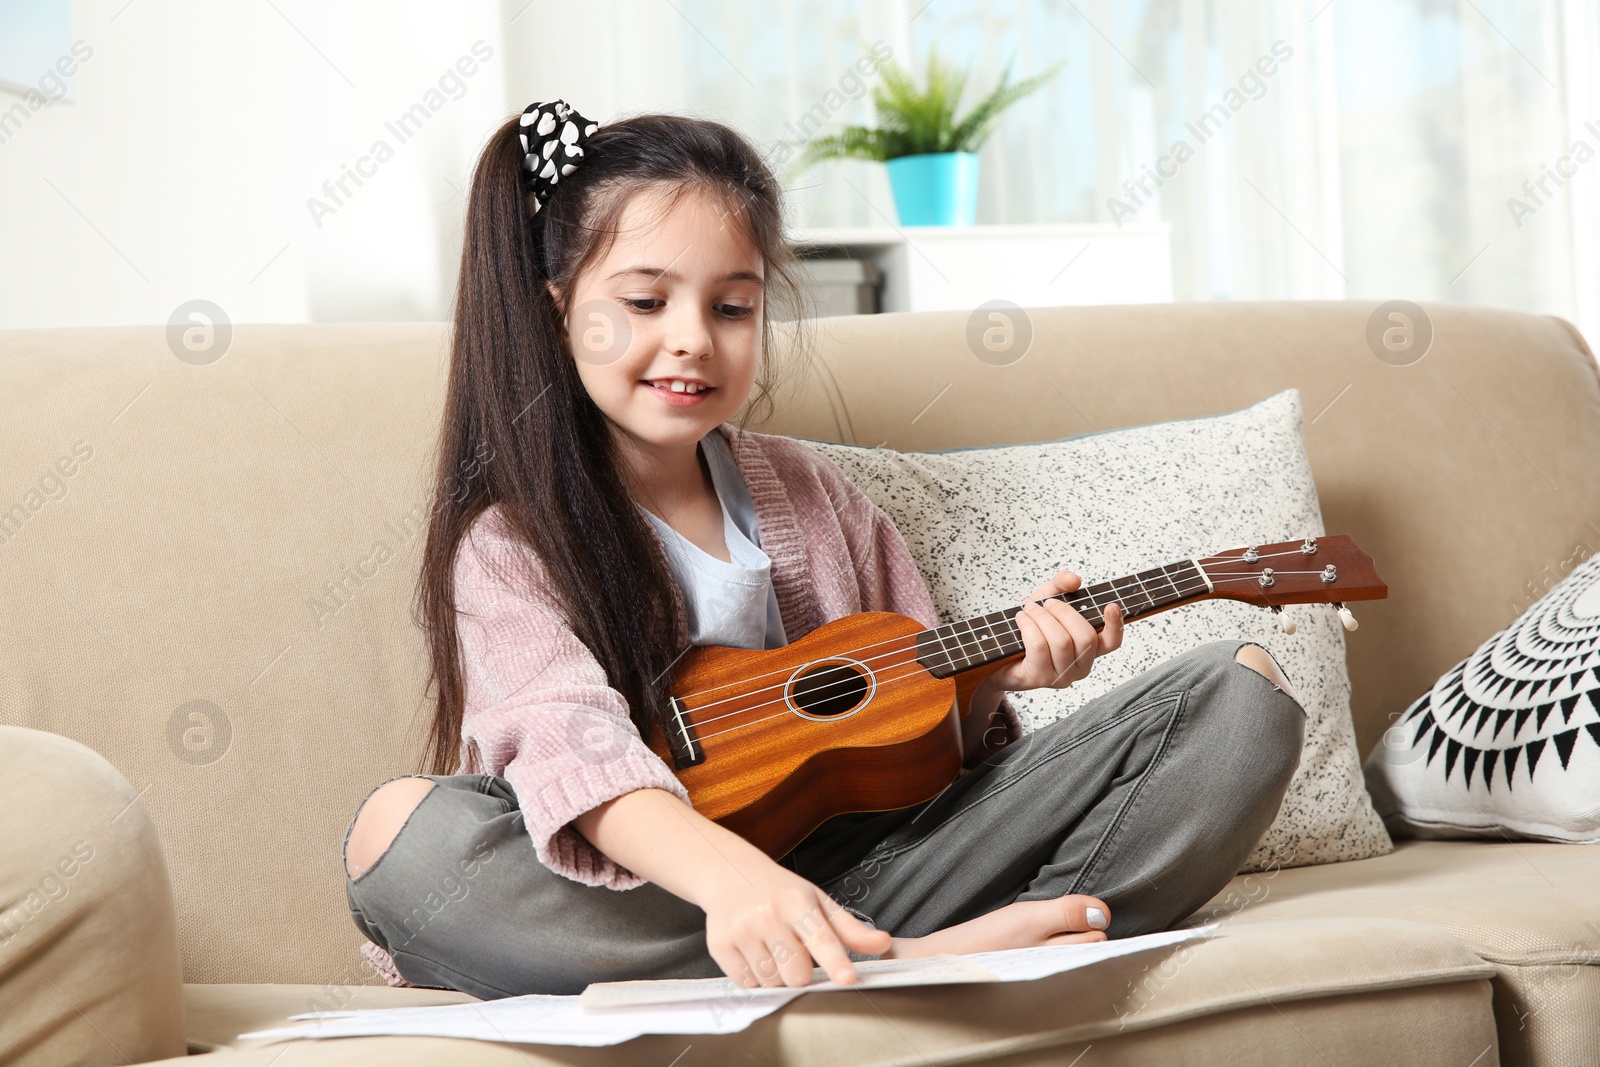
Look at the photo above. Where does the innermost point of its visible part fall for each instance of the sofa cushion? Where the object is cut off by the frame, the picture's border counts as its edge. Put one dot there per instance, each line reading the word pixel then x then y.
pixel 86 915
pixel 1507 742
pixel 986 526
pixel 1262 993
pixel 1528 908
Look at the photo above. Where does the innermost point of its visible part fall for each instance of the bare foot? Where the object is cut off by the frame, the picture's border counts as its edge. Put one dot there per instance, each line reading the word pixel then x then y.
pixel 1023 924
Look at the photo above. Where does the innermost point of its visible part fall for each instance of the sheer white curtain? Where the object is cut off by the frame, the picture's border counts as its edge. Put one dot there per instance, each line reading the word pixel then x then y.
pixel 1462 127
pixel 1305 148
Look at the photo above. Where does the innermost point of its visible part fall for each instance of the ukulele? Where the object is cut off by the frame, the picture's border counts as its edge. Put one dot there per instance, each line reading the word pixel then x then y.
pixel 862 713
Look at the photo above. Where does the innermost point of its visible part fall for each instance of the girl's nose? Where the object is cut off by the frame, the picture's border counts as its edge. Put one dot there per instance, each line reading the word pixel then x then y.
pixel 687 333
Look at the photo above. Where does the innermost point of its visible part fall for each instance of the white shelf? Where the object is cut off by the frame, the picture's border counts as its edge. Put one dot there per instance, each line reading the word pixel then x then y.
pixel 960 268
pixel 813 236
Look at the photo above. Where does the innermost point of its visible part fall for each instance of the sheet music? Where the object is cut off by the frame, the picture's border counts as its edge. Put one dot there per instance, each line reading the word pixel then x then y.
pixel 870 974
pixel 698 1005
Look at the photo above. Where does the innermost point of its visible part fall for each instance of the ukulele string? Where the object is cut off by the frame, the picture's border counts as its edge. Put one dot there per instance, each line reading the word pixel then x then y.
pixel 780 714
pixel 847 681
pixel 881 674
pixel 788 672
pixel 858 652
pixel 842 682
pixel 866 648
pixel 1097 607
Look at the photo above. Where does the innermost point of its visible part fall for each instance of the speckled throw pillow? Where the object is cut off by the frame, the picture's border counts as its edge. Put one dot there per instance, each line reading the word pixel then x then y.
pixel 988 525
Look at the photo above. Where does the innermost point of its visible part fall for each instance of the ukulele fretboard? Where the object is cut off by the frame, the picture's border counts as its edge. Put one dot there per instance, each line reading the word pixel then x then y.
pixel 966 643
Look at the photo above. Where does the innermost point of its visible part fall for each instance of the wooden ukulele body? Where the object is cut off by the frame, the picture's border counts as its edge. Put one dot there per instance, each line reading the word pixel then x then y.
pixel 842 719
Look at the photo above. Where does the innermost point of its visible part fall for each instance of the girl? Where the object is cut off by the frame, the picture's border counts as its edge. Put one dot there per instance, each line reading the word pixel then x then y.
pixel 596 515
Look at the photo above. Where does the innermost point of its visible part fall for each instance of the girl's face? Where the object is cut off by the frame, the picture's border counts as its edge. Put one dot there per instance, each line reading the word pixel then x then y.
pixel 678 297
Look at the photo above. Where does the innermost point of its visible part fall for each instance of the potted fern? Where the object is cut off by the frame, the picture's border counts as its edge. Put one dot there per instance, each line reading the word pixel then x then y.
pixel 930 153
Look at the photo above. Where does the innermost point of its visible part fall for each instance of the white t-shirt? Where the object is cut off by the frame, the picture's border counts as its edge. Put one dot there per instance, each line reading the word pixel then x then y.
pixel 732 603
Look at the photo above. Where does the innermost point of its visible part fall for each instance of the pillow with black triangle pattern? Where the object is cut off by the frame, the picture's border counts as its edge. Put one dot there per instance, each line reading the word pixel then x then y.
pixel 1507 743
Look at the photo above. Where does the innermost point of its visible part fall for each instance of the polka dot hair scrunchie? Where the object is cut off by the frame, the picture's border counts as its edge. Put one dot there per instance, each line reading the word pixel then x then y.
pixel 553 136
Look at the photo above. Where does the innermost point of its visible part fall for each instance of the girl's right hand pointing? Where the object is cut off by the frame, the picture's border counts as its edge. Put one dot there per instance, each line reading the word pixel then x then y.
pixel 764 928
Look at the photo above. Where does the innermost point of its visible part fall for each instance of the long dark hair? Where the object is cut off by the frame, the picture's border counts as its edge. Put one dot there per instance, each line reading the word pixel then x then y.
pixel 519 428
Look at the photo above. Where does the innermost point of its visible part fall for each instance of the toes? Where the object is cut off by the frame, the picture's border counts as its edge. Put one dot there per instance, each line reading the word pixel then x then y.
pixel 1078 912
pixel 1089 937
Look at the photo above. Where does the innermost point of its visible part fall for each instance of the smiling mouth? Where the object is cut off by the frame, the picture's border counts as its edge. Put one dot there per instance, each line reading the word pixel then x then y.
pixel 679 387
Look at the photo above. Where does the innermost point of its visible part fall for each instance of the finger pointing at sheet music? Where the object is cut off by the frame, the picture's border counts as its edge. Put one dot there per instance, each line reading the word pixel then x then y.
pixel 1059 644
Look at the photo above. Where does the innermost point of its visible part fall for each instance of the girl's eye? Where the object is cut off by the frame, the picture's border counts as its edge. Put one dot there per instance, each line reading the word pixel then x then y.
pixel 644 305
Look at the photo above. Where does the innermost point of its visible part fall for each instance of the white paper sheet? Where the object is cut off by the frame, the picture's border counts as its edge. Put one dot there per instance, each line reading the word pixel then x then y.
pixel 870 974
pixel 699 1005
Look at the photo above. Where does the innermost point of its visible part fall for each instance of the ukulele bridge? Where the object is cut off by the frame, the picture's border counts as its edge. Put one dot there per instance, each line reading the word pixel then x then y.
pixel 686 750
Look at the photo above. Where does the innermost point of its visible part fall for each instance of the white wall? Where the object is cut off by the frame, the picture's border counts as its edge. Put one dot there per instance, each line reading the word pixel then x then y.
pixel 200 131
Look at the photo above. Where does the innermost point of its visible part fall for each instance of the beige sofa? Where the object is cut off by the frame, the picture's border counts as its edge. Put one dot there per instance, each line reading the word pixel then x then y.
pixel 208 661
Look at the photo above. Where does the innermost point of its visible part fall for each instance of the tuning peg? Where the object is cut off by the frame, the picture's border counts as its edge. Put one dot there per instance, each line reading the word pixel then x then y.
pixel 1286 623
pixel 1346 617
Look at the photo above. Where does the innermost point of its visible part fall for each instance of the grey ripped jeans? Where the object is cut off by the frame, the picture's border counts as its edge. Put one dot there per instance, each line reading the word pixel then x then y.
pixel 1149 797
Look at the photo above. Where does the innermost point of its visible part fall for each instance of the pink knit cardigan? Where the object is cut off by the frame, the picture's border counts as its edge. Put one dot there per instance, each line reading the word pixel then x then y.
pixel 539 709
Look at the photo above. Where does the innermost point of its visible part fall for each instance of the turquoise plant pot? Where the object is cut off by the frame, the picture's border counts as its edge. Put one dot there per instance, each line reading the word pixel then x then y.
pixel 936 189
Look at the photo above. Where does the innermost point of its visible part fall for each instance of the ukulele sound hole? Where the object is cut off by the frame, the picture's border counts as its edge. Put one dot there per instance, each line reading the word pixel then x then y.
pixel 831 688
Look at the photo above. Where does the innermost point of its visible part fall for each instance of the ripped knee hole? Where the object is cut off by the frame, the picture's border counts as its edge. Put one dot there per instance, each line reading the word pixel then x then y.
pixel 1257 658
pixel 379 820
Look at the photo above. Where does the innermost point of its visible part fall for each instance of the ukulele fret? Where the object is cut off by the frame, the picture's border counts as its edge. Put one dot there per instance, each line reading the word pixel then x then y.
pixel 1166 572
pixel 1141 586
pixel 961 656
pixel 998 645
pixel 966 643
pixel 1084 600
pixel 1144 579
pixel 964 640
pixel 989 645
pixel 942 636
